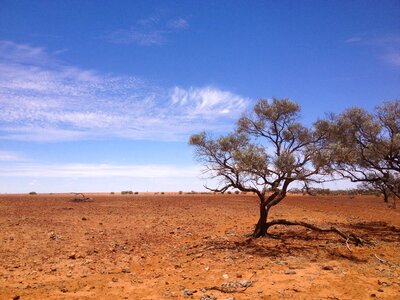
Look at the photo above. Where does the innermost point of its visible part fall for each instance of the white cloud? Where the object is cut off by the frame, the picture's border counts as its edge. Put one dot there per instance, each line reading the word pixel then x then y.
pixel 52 101
pixel 150 31
pixel 178 23
pixel 386 48
pixel 10 156
pixel 354 39
pixel 135 36
pixel 97 170
pixel 207 101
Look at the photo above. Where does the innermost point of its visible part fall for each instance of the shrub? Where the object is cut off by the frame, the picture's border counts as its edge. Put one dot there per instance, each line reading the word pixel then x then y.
pixel 136 193
pixel 32 193
pixel 126 192
pixel 180 192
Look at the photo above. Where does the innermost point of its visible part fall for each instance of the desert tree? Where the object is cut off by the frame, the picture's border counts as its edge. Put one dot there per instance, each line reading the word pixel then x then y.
pixel 377 187
pixel 269 150
pixel 365 147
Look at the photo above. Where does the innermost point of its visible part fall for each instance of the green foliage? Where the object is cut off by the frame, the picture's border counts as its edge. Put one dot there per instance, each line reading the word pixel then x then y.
pixel 365 147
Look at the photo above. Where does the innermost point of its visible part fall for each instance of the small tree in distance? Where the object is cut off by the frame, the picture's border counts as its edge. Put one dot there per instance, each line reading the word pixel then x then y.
pixel 268 151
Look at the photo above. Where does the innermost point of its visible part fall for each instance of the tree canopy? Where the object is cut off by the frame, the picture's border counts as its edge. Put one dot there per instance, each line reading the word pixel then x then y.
pixel 269 150
pixel 365 147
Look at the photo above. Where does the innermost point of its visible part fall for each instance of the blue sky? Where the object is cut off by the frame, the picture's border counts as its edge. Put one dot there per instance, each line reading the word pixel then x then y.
pixel 102 96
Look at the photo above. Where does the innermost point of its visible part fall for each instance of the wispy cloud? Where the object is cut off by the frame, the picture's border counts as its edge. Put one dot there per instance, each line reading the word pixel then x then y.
pixel 10 156
pixel 150 31
pixel 134 36
pixel 178 23
pixel 43 99
pixel 207 101
pixel 97 170
pixel 387 48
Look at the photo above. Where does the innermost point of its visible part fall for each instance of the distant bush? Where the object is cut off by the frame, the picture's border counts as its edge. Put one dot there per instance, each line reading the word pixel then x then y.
pixel 229 192
pixel 180 192
pixel 81 197
pixel 112 193
pixel 237 192
pixel 296 191
pixel 32 193
pixel 162 193
pixel 136 193
pixel 126 192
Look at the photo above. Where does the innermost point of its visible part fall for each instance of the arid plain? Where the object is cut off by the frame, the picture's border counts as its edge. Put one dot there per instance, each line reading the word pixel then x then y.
pixel 196 246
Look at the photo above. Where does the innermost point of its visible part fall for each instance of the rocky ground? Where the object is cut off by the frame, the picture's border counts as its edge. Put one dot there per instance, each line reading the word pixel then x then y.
pixel 194 246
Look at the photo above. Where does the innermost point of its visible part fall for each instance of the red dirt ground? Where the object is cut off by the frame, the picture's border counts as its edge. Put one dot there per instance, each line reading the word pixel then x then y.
pixel 169 246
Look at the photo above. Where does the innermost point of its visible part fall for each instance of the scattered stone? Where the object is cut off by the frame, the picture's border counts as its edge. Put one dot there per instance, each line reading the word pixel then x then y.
pixel 373 295
pixel 64 289
pixel 17 297
pixel 384 283
pixel 126 270
pixel 245 283
pixel 380 290
pixel 72 256
pixel 114 279
pixel 230 298
pixel 169 294
pixel 186 292
pixel 290 272
pixel 208 297
pixel 53 236
pixel 84 219
pixel 327 268
pixel 207 268
pixel 225 276
pixel 232 286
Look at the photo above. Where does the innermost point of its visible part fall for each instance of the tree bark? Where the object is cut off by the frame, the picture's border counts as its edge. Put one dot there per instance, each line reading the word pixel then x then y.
pixel 385 197
pixel 261 227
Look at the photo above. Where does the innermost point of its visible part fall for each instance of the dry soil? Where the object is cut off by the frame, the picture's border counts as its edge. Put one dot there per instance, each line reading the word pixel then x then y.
pixel 194 246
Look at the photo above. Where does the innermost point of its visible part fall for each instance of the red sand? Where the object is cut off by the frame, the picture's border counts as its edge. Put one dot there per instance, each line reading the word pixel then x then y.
pixel 155 246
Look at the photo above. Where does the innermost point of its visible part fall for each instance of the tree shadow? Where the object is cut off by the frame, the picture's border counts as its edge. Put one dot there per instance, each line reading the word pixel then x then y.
pixel 308 244
pixel 379 230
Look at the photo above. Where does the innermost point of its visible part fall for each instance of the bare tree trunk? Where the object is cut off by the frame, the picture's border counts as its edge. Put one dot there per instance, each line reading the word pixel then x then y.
pixel 385 196
pixel 261 227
